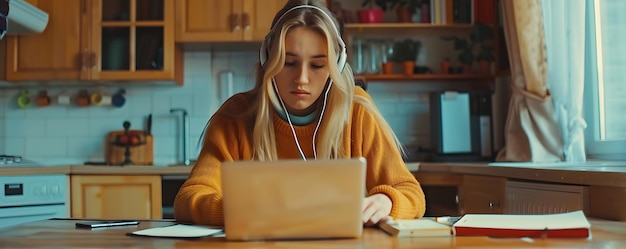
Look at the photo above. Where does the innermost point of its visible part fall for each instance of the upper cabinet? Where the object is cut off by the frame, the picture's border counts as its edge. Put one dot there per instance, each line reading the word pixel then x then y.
pixel 56 53
pixel 224 20
pixel 99 40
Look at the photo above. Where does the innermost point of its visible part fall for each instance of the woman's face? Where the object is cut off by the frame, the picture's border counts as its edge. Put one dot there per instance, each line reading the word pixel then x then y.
pixel 304 75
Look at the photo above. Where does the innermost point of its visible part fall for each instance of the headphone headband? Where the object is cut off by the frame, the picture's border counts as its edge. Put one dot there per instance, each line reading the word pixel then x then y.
pixel 341 61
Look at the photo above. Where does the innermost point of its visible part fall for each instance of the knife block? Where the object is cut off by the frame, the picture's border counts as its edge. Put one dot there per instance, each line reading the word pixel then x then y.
pixel 142 154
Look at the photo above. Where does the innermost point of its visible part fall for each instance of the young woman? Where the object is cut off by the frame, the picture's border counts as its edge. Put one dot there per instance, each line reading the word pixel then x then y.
pixel 304 105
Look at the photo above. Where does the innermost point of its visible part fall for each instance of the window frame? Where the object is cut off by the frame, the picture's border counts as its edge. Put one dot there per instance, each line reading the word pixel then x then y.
pixel 594 145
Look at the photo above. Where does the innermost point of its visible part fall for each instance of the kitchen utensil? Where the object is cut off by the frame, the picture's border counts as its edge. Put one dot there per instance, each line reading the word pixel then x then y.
pixel 23 101
pixel 149 125
pixel 63 99
pixel 100 99
pixel 43 99
pixel 82 99
pixel 118 98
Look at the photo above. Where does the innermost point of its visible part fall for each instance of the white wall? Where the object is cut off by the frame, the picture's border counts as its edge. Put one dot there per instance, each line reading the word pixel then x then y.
pixel 61 134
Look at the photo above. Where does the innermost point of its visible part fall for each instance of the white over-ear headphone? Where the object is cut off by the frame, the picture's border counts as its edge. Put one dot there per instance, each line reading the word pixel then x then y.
pixel 341 61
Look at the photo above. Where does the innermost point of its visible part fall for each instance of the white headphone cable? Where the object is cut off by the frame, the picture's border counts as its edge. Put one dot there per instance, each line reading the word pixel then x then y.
pixel 295 137
pixel 319 121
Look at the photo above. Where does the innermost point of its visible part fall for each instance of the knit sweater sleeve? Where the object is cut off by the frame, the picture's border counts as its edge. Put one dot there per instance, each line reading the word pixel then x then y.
pixel 199 200
pixel 386 171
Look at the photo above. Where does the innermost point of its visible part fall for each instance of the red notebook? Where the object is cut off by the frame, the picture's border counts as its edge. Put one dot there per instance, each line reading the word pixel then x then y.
pixel 565 225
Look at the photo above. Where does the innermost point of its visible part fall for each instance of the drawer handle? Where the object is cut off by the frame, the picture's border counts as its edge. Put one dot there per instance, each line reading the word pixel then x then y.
pixel 246 21
pixel 235 20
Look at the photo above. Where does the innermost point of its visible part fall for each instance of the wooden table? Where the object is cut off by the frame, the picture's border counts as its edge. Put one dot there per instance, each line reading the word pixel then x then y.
pixel 63 234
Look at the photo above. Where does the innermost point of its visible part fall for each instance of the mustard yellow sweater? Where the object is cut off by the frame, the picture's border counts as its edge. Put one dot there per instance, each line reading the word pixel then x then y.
pixel 200 198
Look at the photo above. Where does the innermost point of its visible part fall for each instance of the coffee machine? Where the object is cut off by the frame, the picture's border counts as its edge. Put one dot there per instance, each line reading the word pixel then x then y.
pixel 461 126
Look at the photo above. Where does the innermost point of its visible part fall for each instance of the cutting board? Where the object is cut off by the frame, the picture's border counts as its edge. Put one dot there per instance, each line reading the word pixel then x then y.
pixel 142 154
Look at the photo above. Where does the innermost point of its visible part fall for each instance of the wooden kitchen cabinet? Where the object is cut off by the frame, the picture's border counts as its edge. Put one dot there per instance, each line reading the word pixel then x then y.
pixel 56 52
pixel 224 20
pixel 99 40
pixel 116 196
pixel 482 195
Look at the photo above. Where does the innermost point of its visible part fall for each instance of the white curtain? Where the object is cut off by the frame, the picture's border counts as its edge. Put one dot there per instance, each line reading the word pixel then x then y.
pixel 531 132
pixel 564 22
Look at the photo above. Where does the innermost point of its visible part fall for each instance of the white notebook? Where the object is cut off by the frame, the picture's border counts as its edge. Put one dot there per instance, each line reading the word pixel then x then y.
pixel 180 231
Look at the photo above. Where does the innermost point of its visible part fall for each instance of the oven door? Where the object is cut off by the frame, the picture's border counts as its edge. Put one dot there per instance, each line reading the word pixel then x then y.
pixel 10 216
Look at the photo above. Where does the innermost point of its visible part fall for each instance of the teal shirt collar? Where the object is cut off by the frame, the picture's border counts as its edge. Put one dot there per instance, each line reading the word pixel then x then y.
pixel 298 120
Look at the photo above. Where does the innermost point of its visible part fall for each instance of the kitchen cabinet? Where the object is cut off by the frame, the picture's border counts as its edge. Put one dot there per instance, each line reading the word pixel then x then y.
pixel 482 195
pixel 57 52
pixel 545 198
pixel 97 40
pixel 224 20
pixel 607 202
pixel 116 196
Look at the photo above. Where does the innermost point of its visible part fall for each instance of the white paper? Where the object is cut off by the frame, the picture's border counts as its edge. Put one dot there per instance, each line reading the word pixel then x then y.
pixel 575 219
pixel 180 230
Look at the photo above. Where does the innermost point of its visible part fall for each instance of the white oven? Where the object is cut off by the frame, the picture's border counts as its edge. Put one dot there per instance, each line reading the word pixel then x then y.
pixel 27 198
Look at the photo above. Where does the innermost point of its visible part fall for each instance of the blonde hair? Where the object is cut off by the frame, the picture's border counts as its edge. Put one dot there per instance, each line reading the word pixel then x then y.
pixel 341 95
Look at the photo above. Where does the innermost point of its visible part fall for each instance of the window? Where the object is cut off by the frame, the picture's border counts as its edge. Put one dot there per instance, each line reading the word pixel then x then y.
pixel 605 79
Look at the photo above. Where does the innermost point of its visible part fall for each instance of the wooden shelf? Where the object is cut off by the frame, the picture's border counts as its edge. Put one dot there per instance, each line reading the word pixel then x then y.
pixel 395 26
pixel 479 83
pixel 448 77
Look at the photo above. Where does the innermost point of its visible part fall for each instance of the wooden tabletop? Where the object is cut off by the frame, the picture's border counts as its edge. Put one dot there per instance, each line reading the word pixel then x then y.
pixel 63 234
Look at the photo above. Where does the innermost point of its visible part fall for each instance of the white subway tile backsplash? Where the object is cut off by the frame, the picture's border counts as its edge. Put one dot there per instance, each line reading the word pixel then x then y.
pixel 86 148
pixel 40 147
pixel 183 101
pixel 161 105
pixel 14 146
pixel 140 105
pixel 25 127
pixel 79 133
pixel 67 128
pixel 78 112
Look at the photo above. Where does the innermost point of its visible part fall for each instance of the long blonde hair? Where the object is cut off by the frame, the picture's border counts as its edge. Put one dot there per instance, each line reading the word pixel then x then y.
pixel 340 97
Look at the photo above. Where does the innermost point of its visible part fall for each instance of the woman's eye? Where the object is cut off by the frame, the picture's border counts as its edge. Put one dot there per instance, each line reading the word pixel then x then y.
pixel 317 66
pixel 290 63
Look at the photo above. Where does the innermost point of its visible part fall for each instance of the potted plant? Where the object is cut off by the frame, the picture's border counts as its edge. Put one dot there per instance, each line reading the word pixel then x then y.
pixel 484 38
pixel 405 52
pixel 445 65
pixel 465 47
pixel 481 35
pixel 370 13
pixel 405 9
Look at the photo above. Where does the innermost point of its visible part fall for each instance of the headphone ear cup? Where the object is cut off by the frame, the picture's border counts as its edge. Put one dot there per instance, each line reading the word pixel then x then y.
pixel 263 52
pixel 341 63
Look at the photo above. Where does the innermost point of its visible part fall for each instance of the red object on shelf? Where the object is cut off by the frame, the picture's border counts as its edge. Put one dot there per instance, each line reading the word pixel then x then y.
pixel 371 15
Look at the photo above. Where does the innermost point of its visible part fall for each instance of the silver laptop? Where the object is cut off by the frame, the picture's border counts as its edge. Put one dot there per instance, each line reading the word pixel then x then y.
pixel 293 199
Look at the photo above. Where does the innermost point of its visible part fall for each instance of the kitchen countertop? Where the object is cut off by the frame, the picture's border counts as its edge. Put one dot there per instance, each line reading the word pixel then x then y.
pixel 613 174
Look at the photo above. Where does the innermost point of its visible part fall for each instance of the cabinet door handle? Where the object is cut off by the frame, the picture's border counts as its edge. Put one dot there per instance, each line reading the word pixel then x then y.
pixel 84 60
pixel 92 59
pixel 246 21
pixel 494 204
pixel 235 21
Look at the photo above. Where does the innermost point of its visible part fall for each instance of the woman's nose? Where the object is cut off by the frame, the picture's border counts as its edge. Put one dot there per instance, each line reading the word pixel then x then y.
pixel 303 75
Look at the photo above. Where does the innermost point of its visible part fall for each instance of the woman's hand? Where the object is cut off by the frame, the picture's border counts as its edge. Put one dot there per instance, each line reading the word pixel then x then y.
pixel 375 208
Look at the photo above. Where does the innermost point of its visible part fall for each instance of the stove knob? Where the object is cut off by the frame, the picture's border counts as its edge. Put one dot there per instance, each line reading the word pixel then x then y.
pixel 44 190
pixel 55 190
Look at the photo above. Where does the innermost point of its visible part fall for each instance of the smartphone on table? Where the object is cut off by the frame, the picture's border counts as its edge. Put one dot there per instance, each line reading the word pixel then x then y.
pixel 100 224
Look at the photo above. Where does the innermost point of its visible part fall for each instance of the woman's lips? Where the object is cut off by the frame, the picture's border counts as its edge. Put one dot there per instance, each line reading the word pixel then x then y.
pixel 299 93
